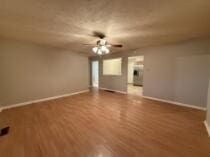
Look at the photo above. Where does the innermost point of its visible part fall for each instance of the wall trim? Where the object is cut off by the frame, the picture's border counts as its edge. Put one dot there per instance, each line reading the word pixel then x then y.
pixel 41 100
pixel 207 127
pixel 118 91
pixel 176 103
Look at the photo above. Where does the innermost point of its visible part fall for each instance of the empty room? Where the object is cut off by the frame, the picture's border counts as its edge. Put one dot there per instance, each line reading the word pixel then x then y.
pixel 108 78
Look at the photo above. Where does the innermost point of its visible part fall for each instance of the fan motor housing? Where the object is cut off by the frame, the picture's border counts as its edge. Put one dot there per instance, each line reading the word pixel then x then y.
pixel 101 42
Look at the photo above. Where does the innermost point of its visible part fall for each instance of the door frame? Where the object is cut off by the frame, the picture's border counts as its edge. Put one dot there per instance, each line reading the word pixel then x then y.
pixel 127 69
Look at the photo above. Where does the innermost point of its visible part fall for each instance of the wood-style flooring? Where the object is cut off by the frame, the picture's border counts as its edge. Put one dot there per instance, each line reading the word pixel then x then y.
pixel 104 124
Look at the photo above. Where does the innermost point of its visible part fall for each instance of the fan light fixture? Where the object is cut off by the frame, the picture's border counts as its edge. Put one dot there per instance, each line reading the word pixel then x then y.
pixel 101 48
pixel 95 49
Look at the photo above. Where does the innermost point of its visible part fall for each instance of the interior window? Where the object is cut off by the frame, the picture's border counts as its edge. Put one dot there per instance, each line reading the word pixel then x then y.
pixel 112 66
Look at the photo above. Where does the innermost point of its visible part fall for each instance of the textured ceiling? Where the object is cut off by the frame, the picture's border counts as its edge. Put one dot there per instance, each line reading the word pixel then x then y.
pixel 134 23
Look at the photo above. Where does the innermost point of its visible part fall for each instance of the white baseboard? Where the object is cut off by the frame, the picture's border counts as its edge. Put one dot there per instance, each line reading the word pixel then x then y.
pixel 176 103
pixel 113 90
pixel 41 100
pixel 207 127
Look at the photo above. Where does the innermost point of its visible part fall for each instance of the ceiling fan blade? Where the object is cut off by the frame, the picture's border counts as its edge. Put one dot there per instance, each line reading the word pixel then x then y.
pixel 99 34
pixel 116 45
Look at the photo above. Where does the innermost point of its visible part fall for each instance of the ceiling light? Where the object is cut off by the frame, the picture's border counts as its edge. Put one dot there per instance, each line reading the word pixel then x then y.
pixel 95 49
pixel 103 48
pixel 107 51
pixel 99 52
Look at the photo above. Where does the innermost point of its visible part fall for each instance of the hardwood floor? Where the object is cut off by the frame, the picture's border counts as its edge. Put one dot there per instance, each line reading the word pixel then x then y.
pixel 104 124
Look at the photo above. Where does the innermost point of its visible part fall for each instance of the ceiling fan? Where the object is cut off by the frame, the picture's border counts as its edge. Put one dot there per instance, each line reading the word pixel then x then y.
pixel 102 45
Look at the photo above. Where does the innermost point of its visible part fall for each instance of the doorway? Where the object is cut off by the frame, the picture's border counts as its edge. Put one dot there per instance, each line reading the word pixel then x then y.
pixel 95 73
pixel 135 75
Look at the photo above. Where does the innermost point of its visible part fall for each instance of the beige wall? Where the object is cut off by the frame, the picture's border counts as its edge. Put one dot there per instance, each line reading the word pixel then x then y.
pixel 177 72
pixel 113 82
pixel 29 72
pixel 177 77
